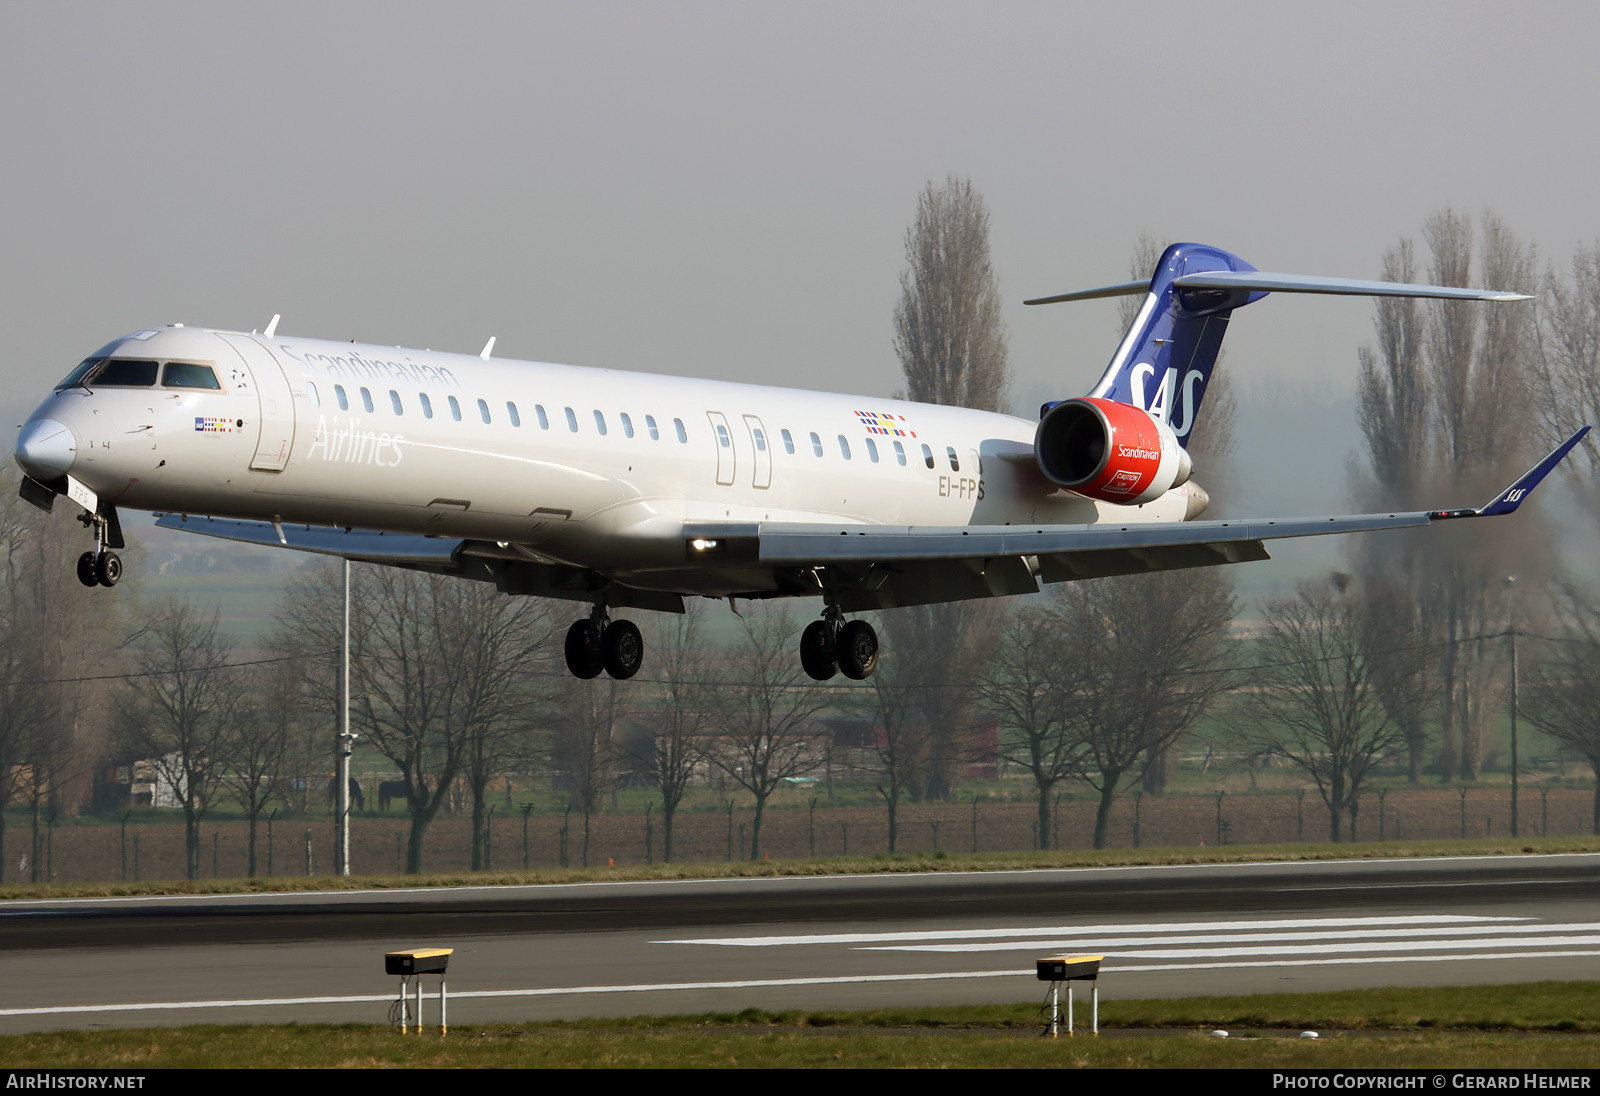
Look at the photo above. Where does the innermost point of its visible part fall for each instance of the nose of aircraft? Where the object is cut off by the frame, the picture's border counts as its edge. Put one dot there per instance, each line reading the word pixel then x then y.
pixel 46 449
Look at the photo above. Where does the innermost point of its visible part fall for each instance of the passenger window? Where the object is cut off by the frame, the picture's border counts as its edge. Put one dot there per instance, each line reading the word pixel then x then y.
pixel 316 400
pixel 544 420
pixel 816 444
pixel 955 465
pixel 125 373
pixel 394 398
pixel 600 423
pixel 627 425
pixel 650 425
pixel 844 447
pixel 511 409
pixel 788 441
pixel 338 394
pixel 187 375
pixel 722 436
pixel 455 408
pixel 927 456
pixel 761 441
pixel 572 420
pixel 366 400
pixel 483 411
pixel 872 450
pixel 427 405
pixel 900 454
pixel 683 435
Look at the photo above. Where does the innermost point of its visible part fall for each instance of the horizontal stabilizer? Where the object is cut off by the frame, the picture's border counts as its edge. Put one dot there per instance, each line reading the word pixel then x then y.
pixel 1126 289
pixel 1305 283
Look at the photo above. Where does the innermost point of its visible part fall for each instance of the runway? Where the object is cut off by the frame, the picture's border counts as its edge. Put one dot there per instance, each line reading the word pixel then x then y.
pixel 605 949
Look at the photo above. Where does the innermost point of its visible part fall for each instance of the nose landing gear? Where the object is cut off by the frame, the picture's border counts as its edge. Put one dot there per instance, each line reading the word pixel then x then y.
pixel 101 567
pixel 600 643
pixel 831 644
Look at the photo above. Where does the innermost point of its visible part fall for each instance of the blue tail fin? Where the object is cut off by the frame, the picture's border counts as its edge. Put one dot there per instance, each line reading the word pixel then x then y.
pixel 1164 363
pixel 1166 358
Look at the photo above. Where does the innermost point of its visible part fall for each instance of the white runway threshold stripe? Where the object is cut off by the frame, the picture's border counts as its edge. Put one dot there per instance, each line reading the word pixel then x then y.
pixel 1319 923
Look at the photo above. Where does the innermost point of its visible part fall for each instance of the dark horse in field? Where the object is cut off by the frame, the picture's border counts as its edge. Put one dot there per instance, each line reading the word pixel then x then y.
pixel 357 800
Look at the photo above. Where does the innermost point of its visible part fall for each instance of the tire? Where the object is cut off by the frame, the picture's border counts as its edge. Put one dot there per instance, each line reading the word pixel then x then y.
pixel 108 568
pixel 816 651
pixel 583 650
pixel 86 570
pixel 858 650
pixel 622 649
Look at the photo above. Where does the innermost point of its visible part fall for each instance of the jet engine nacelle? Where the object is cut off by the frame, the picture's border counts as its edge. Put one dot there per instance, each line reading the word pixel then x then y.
pixel 1109 451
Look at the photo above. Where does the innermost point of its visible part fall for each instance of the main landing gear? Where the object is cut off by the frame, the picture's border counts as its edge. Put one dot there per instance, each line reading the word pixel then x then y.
pixel 101 567
pixel 600 643
pixel 833 644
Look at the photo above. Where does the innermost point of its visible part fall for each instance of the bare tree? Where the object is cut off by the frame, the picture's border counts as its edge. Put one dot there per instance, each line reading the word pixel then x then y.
pixel 1027 684
pixel 1395 410
pixel 1563 698
pixel 500 651
pixel 1446 408
pixel 585 750
pixel 681 718
pixel 186 695
pixel 949 334
pixel 951 342
pixel 1315 698
pixel 263 727
pixel 1568 391
pixel 438 669
pixel 903 737
pixel 766 734
pixel 1147 654
pixel 23 695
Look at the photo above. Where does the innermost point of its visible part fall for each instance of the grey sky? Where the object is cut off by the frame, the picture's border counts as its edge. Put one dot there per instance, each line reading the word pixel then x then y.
pixel 722 189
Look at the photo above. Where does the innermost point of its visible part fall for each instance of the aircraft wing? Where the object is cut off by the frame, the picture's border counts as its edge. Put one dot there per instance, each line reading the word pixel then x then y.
pixel 362 545
pixel 873 566
pixel 879 566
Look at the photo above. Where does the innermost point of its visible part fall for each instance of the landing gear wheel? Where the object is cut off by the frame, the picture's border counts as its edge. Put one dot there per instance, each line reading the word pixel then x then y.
pixel 858 650
pixel 583 649
pixel 622 649
pixel 86 570
pixel 108 568
pixel 817 651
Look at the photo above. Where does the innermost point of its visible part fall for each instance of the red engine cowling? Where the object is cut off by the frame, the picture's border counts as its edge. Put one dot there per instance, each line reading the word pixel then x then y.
pixel 1109 451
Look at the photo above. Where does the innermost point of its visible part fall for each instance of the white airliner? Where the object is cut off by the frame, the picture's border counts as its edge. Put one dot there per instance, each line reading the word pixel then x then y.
pixel 628 490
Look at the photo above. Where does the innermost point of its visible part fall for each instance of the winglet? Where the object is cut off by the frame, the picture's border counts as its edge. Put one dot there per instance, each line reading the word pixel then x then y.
pixel 1512 497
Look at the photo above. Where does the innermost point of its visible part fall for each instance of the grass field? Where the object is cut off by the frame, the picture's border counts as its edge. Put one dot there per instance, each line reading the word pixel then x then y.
pixel 1550 1026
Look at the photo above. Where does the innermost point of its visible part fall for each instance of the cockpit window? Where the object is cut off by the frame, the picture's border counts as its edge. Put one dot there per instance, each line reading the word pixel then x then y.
pixel 124 373
pixel 75 377
pixel 188 375
pixel 140 373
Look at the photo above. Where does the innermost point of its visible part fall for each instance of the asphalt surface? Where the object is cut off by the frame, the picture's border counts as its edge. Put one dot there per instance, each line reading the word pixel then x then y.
pixel 528 953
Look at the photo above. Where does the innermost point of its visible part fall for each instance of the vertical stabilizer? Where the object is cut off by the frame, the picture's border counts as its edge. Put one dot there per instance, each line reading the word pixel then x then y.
pixel 1164 362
